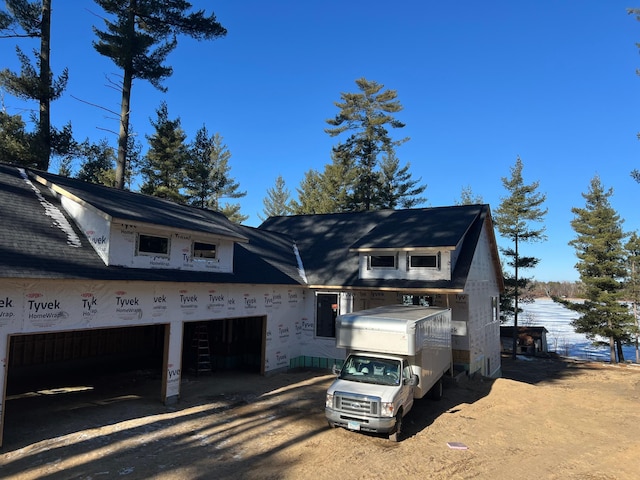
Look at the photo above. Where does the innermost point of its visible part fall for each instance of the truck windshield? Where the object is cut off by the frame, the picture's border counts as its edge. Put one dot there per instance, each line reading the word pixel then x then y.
pixel 382 371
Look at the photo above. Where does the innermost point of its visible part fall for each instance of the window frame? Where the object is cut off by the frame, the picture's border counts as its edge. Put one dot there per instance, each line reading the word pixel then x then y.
pixel 371 266
pixel 152 253
pixel 204 258
pixel 437 261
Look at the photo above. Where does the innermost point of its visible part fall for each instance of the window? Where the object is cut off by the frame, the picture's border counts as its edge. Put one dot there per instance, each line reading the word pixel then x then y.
pixel 382 261
pixel 326 314
pixel 424 261
pixel 153 245
pixel 423 300
pixel 204 250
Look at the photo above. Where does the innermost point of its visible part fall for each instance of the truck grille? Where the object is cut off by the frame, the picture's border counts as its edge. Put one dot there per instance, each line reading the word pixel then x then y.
pixel 357 404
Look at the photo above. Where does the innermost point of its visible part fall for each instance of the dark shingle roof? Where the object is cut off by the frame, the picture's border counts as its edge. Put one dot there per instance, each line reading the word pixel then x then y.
pixel 34 244
pixel 329 243
pixel 420 228
pixel 136 207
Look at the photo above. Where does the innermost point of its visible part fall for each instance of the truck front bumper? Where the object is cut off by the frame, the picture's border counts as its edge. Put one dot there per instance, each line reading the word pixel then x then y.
pixel 365 424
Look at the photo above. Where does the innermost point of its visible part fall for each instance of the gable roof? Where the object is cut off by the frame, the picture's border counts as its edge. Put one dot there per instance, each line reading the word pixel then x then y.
pixel 420 228
pixel 329 244
pixel 123 205
pixel 38 239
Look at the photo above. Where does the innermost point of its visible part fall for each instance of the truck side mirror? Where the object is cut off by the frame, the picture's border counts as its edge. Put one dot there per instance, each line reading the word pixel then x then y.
pixel 335 369
pixel 412 380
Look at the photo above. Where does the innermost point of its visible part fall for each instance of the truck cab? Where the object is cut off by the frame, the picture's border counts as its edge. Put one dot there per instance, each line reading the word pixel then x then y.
pixel 372 393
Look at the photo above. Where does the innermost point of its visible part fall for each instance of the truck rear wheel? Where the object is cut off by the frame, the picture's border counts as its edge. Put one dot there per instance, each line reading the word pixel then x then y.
pixel 436 391
pixel 397 432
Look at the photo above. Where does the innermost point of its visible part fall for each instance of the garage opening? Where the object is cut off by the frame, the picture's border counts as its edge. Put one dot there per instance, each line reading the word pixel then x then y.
pixel 55 360
pixel 224 345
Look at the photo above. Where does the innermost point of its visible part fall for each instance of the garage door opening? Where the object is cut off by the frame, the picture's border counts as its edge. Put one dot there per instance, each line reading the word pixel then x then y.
pixel 58 360
pixel 224 345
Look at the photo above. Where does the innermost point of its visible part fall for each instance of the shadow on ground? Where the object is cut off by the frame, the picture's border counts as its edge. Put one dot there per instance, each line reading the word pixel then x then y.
pixel 534 370
pixel 464 389
pixel 37 412
pixel 40 413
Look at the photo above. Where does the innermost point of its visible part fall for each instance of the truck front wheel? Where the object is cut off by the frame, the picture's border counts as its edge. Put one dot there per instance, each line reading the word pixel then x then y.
pixel 397 432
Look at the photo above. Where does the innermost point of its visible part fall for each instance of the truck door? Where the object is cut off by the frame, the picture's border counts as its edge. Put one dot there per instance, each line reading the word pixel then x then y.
pixel 407 388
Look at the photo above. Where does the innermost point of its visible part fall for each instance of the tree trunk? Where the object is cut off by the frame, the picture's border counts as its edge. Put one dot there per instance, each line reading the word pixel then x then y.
pixel 635 315
pixel 515 299
pixel 127 81
pixel 123 135
pixel 612 349
pixel 620 352
pixel 44 126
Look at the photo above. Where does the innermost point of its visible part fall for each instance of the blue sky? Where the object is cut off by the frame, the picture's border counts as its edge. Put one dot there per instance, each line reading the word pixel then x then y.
pixel 551 81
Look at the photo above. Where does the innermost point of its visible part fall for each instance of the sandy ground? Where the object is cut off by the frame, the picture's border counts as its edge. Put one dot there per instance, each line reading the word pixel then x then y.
pixel 546 419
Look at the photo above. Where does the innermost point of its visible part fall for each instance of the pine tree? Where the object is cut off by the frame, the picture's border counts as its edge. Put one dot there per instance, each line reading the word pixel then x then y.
pixel 310 195
pixel 99 162
pixel 163 165
pixel 33 20
pixel 602 269
pixel 201 175
pixel 632 293
pixel 139 40
pixel 232 212
pixel 326 192
pixel 397 189
pixel 207 176
pixel 467 197
pixel 367 115
pixel 276 203
pixel 15 141
pixel 514 219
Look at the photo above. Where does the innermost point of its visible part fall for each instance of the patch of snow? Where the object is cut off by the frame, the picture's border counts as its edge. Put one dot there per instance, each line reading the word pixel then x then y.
pixel 59 220
pixel 301 271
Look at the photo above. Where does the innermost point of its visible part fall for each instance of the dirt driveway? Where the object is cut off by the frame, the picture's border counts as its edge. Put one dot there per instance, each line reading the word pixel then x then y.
pixel 546 419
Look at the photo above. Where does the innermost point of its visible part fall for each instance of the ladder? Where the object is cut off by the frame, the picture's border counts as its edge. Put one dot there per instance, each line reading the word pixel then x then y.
pixel 201 347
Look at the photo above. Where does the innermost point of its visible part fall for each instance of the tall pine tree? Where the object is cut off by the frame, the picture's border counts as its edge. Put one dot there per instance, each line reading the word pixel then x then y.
pixel 515 219
pixel 25 19
pixel 366 117
pixel 138 40
pixel 601 265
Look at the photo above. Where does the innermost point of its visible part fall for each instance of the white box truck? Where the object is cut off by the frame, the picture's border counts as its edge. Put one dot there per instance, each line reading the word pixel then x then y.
pixel 396 354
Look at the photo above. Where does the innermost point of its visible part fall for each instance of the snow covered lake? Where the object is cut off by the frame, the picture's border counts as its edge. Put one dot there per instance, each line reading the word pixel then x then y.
pixel 561 337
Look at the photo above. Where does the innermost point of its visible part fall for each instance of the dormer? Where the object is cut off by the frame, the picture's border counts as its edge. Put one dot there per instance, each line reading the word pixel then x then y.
pixel 409 246
pixel 401 264
pixel 139 231
pixel 147 246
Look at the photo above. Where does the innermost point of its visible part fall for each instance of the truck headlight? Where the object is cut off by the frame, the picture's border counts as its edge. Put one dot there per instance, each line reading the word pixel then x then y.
pixel 387 409
pixel 329 400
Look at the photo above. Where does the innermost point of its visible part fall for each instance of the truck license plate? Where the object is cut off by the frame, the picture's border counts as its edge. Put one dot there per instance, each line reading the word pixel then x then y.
pixel 353 426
